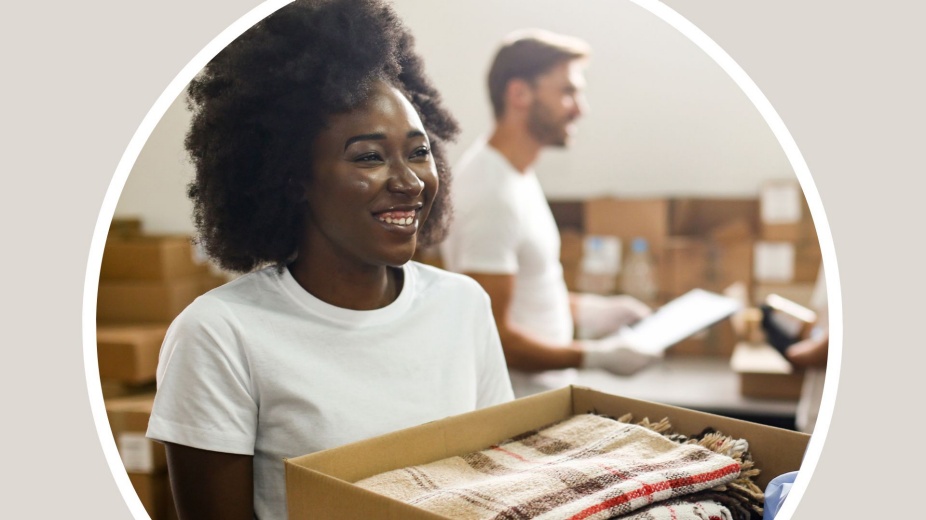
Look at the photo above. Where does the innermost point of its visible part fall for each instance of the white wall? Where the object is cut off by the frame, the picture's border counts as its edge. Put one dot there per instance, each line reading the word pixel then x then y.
pixel 665 119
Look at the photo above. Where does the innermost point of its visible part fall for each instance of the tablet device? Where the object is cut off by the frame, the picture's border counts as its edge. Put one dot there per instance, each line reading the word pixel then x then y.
pixel 785 322
pixel 682 317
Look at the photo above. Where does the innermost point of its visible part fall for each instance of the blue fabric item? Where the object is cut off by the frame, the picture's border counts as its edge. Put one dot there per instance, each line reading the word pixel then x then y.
pixel 775 494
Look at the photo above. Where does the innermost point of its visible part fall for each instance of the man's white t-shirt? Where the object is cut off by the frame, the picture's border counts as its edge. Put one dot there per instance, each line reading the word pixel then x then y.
pixel 261 367
pixel 503 225
pixel 808 407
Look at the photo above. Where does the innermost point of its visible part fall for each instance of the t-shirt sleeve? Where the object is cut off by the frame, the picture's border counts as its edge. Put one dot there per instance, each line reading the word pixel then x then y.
pixel 486 236
pixel 204 393
pixel 492 371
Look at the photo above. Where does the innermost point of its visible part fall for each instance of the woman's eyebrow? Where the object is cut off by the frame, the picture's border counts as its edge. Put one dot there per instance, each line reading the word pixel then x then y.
pixel 364 137
pixel 380 136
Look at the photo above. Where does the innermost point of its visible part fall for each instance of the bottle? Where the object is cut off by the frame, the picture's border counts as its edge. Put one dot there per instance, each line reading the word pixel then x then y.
pixel 639 274
pixel 600 264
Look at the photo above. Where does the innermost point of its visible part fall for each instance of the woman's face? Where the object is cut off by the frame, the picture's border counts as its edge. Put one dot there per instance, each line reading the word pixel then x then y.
pixel 372 182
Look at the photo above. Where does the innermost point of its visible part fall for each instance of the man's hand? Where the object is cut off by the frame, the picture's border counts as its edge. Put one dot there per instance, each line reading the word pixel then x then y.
pixel 597 316
pixel 809 352
pixel 614 355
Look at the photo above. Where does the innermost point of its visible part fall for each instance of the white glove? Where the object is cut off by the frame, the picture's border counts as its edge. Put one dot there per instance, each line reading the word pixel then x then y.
pixel 615 355
pixel 597 315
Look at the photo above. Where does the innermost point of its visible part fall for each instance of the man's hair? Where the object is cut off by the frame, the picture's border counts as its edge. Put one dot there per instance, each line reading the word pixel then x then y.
pixel 260 103
pixel 526 54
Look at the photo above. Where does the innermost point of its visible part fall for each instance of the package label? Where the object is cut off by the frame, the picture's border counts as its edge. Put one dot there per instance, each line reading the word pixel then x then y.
pixel 774 261
pixel 136 452
pixel 781 203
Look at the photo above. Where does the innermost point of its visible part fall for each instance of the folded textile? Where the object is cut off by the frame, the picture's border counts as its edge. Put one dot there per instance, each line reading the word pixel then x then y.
pixel 586 467
pixel 682 508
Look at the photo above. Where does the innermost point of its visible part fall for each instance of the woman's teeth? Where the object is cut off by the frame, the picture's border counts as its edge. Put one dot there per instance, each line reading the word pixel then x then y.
pixel 400 221
pixel 397 218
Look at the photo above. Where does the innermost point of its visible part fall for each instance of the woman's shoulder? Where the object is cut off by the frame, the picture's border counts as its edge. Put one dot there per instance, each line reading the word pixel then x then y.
pixel 448 284
pixel 230 299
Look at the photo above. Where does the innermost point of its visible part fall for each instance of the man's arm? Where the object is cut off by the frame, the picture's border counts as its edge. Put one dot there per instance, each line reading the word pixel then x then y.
pixel 209 484
pixel 522 351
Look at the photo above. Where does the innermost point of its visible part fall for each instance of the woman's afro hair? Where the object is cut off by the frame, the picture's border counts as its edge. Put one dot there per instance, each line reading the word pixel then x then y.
pixel 258 105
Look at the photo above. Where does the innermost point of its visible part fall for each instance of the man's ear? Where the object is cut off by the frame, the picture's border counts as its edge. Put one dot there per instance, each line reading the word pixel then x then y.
pixel 519 94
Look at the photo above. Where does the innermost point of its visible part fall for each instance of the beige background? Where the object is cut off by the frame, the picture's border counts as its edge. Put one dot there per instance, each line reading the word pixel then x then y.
pixel 846 79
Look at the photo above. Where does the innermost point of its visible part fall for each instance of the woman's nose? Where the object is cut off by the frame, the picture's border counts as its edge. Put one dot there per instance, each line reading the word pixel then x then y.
pixel 403 179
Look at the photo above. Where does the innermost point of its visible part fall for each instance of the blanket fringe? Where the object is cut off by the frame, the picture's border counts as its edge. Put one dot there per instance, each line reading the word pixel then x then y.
pixel 747 496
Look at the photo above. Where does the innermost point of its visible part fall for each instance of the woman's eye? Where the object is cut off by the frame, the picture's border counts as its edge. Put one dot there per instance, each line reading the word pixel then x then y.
pixel 368 157
pixel 423 151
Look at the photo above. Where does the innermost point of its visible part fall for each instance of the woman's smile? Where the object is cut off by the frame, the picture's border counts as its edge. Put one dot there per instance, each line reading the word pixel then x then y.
pixel 374 160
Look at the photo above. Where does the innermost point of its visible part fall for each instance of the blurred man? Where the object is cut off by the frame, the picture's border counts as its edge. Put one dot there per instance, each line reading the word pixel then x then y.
pixel 811 354
pixel 504 235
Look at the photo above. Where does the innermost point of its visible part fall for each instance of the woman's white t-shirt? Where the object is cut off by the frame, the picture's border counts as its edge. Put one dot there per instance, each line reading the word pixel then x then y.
pixel 261 367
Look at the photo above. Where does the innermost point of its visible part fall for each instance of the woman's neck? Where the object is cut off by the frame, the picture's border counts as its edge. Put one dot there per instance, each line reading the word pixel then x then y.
pixel 350 287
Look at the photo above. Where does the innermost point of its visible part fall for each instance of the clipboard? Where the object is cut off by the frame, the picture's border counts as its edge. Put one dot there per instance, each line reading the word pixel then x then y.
pixel 682 317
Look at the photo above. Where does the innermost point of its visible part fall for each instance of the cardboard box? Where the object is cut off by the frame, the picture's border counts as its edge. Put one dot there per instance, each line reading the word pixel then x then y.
pixel 717 341
pixel 784 213
pixel 112 389
pixel 154 492
pixel 210 281
pixel 787 262
pixel 571 276
pixel 628 219
pixel 145 301
pixel 571 246
pixel 149 258
pixel 128 420
pixel 124 227
pixel 129 353
pixel 568 214
pixel 703 216
pixel 731 262
pixel 685 264
pixel 764 373
pixel 319 485
pixel 807 260
pixel 774 261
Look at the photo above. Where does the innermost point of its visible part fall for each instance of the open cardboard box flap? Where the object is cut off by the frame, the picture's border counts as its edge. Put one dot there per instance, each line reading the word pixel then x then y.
pixel 320 485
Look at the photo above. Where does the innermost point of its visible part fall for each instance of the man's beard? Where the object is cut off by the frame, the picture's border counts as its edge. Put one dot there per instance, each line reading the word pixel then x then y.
pixel 545 128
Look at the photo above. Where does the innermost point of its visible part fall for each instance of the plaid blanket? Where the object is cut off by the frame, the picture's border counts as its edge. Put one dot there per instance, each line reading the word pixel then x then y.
pixel 682 508
pixel 586 467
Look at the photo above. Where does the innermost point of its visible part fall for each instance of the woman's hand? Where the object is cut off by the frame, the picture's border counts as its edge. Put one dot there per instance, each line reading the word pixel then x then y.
pixel 210 484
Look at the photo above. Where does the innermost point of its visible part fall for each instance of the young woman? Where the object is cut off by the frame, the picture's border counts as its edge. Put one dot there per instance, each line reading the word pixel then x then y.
pixel 316 141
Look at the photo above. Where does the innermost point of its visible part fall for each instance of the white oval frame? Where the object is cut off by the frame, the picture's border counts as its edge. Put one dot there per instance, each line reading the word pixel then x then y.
pixel 665 13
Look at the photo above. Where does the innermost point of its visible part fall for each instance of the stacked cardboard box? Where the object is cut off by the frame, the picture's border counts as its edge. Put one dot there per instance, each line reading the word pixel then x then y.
pixel 787 254
pixel 145 461
pixel 702 243
pixel 571 244
pixel 717 244
pixel 145 282
pixel 149 279
pixel 695 242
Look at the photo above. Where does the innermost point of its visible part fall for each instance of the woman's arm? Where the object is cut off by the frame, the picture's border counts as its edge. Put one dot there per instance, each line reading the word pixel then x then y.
pixel 210 484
